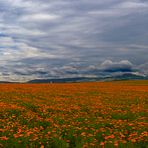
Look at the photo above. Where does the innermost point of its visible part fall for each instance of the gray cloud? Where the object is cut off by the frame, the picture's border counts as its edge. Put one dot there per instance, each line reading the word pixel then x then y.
pixel 143 68
pixel 50 35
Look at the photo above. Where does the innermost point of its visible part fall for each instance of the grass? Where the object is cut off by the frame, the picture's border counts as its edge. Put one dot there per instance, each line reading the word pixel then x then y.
pixel 74 115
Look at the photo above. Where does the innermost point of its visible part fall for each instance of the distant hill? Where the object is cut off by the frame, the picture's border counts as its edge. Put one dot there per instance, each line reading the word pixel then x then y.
pixel 62 80
pixel 126 76
pixel 6 82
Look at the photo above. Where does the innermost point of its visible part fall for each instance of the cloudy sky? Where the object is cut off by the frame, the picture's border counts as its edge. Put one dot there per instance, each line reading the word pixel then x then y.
pixel 65 38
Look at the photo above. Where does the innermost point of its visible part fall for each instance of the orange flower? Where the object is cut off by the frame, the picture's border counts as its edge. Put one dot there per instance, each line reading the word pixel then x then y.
pixel 116 144
pixel 133 140
pixel 112 136
pixel 83 134
pixel 42 146
pixel 102 143
pixel 4 138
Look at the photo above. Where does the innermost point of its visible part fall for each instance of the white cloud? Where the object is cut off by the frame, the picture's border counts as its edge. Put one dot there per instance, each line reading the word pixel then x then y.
pixel 133 4
pixel 123 65
pixel 17 50
pixel 39 17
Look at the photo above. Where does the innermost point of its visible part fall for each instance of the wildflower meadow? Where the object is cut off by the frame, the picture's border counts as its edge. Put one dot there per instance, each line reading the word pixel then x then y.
pixel 74 115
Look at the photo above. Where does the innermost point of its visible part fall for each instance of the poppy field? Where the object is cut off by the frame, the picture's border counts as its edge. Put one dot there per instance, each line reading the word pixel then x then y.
pixel 74 115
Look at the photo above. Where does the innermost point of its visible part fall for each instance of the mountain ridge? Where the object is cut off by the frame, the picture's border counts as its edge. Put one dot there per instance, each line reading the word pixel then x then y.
pixel 125 76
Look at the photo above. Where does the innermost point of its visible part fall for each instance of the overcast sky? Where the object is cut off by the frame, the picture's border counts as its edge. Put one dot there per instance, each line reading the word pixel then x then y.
pixel 66 38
